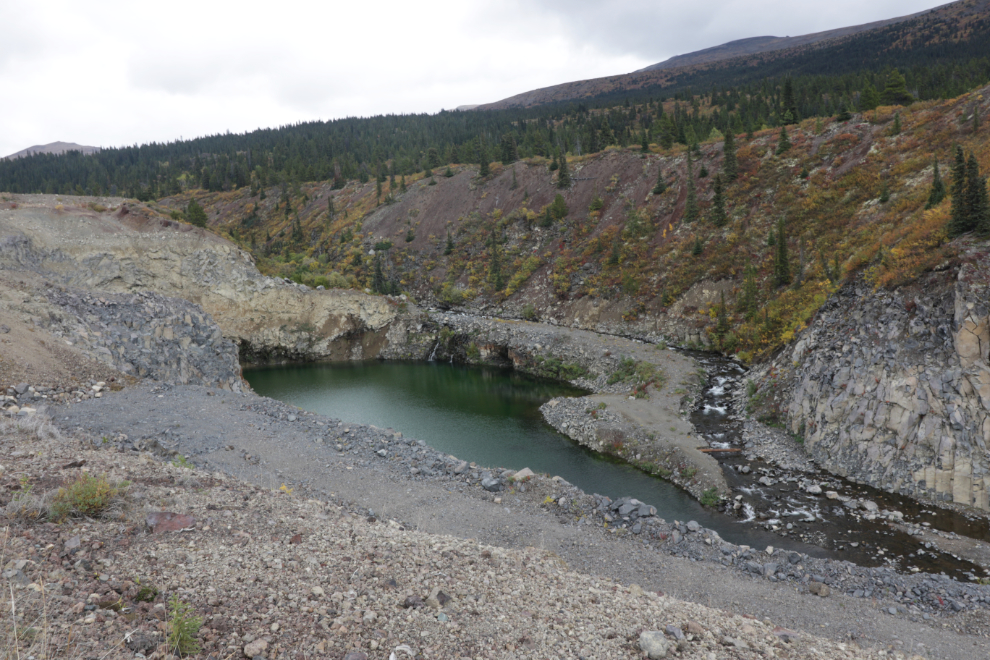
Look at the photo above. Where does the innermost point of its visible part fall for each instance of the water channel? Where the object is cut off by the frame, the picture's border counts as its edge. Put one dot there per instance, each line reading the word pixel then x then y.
pixel 491 416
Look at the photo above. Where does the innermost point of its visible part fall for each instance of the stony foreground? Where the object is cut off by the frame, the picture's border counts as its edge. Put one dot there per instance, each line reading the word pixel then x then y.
pixel 277 576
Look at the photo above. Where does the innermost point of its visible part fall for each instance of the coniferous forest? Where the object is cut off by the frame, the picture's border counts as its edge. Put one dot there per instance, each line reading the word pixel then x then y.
pixel 921 59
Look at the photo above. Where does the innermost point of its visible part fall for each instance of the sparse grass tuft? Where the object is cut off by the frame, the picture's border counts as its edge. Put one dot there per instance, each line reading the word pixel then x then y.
pixel 86 496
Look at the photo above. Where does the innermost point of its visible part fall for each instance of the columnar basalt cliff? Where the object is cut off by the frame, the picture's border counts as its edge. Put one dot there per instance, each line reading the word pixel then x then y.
pixel 892 388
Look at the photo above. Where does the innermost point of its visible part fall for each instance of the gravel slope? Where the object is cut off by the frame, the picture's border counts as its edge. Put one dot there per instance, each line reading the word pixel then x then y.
pixel 268 449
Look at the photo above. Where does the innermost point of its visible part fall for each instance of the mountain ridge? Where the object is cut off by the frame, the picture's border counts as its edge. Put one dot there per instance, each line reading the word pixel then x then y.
pixel 952 23
pixel 763 44
pixel 56 148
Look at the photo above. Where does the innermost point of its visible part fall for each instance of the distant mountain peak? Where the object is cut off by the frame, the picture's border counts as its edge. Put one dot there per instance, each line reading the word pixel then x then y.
pixel 53 148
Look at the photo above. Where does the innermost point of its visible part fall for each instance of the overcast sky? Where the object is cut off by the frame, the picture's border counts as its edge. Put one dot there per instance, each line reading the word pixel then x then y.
pixel 108 73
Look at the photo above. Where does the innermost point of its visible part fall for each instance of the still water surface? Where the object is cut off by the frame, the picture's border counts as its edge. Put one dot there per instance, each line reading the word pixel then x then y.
pixel 489 416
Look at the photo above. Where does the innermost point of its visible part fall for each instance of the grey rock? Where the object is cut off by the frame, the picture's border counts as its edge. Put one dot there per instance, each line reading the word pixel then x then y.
pixel 461 467
pixel 645 511
pixel 653 644
pixel 21 388
pixel 674 631
pixel 140 641
pixel 491 484
pixel 627 508
pixel 693 526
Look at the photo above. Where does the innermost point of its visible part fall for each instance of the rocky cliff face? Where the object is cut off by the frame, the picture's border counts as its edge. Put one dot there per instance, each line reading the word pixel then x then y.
pixel 137 249
pixel 893 388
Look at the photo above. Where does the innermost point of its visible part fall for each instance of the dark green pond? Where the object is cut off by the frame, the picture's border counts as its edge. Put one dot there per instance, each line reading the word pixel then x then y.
pixel 489 416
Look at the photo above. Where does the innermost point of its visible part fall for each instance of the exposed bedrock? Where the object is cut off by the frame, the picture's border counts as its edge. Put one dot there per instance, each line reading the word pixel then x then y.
pixel 893 388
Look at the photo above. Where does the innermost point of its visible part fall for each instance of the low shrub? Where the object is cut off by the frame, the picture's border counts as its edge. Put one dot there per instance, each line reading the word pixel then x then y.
pixel 86 496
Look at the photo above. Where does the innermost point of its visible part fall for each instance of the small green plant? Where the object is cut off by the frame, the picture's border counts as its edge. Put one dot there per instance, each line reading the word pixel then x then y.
pixel 181 461
pixel 146 594
pixel 86 496
pixel 183 627
pixel 687 473
pixel 710 497
pixel 529 312
pixel 473 352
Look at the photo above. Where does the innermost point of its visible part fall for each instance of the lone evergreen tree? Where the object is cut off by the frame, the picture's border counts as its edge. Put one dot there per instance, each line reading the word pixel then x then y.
pixel 884 192
pixel 937 193
pixel 722 325
pixel 698 248
pixel 196 214
pixel 515 184
pixel 691 205
pixel 781 262
pixel 895 93
pixel 564 175
pixel 449 248
pixel 483 169
pixel 747 301
pixel 974 195
pixel 789 108
pixel 730 166
pixel 896 128
pixel 644 144
pixel 509 153
pixel 718 215
pixel 869 99
pixel 959 217
pixel 783 142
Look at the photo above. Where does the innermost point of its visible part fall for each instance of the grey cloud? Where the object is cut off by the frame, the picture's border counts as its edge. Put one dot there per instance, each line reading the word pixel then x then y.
pixel 655 31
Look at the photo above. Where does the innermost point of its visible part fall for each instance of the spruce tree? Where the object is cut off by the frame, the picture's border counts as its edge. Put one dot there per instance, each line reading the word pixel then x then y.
pixel 608 135
pixel 554 165
pixel 483 169
pixel 449 248
pixel 698 248
pixel 981 214
pixel 884 192
pixel 895 93
pixel 781 262
pixel 730 166
pixel 789 105
pixel 515 184
pixel 691 205
pixel 718 215
pixel 869 99
pixel 783 142
pixel 896 128
pixel 508 147
pixel 959 216
pixel 644 144
pixel 747 301
pixel 449 172
pixel 937 193
pixel 564 175
pixel 974 194
pixel 722 325
pixel 433 157
pixel 196 214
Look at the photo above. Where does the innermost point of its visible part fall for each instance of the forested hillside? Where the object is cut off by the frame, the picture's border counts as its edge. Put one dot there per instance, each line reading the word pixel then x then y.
pixel 941 54
pixel 743 238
